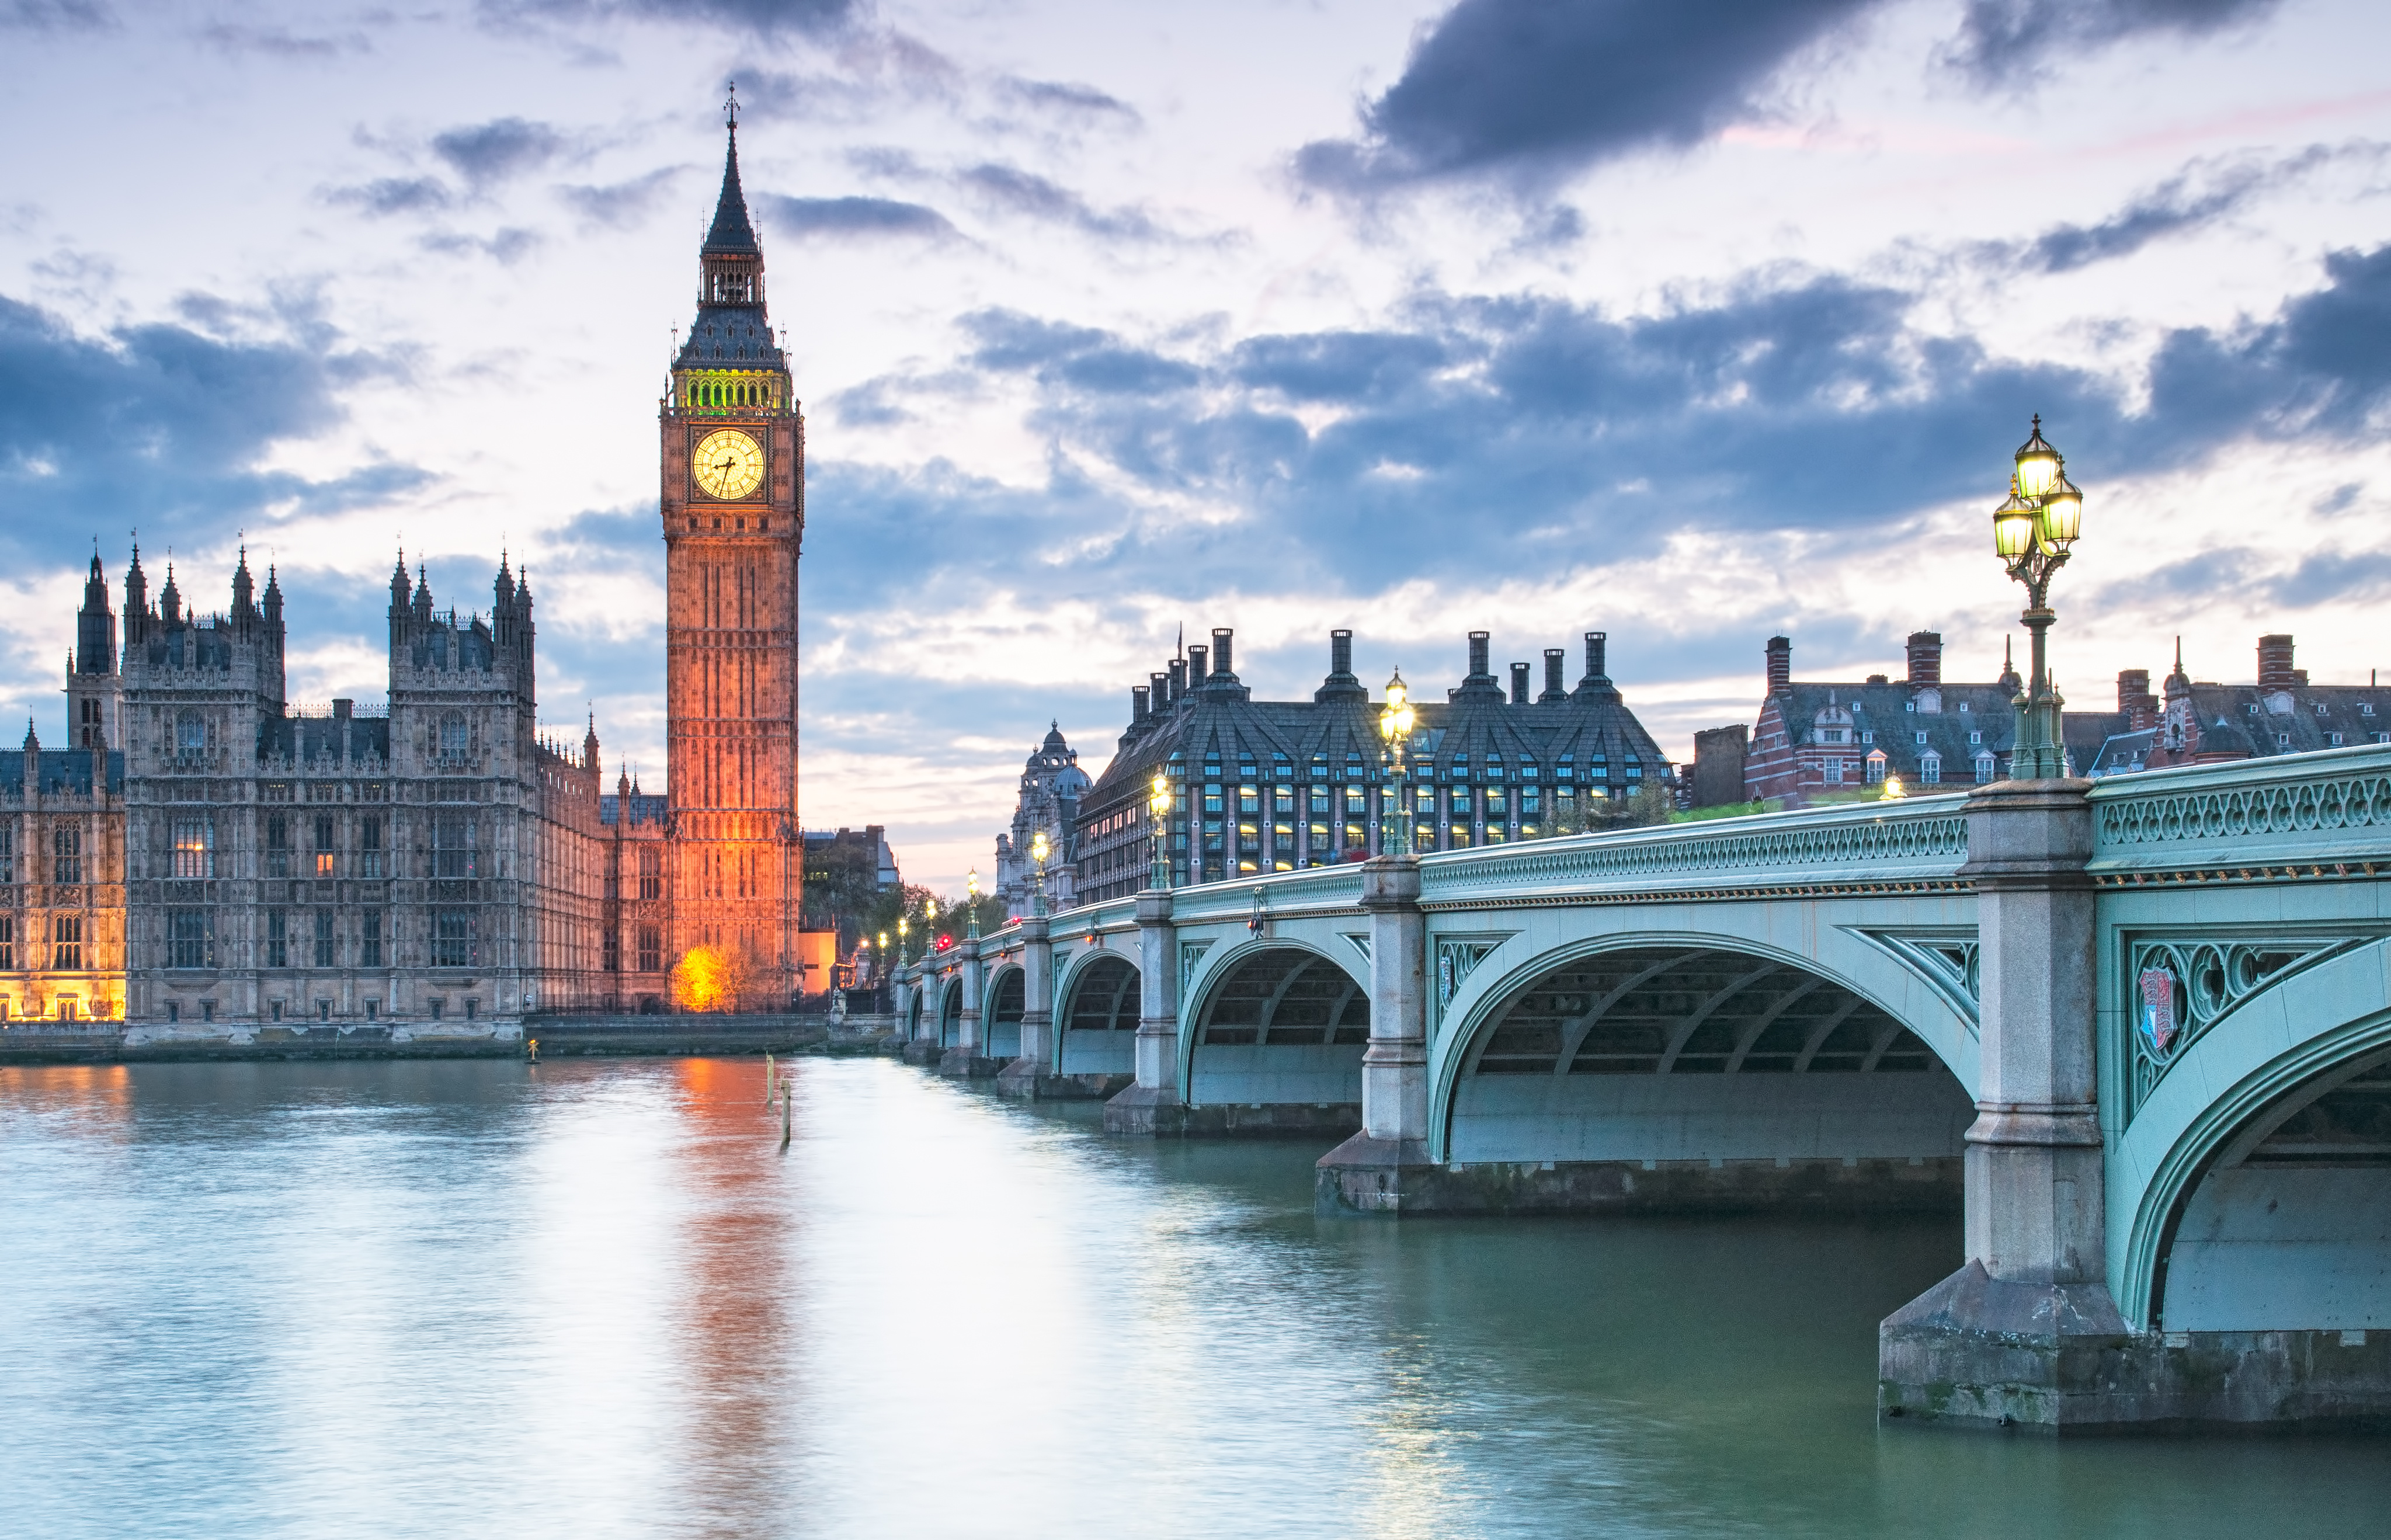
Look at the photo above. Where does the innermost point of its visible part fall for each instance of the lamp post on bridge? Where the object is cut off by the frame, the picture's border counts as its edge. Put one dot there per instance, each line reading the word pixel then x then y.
pixel 2033 532
pixel 1038 849
pixel 1157 811
pixel 1395 726
pixel 971 905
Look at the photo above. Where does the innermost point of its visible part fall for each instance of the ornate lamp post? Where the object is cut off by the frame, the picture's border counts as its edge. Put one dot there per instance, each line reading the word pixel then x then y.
pixel 903 951
pixel 1395 726
pixel 1038 849
pixel 1157 817
pixel 971 908
pixel 2033 532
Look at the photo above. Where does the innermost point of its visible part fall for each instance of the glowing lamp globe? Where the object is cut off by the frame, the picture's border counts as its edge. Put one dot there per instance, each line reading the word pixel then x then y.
pixel 2062 513
pixel 1395 721
pixel 2037 464
pixel 2013 527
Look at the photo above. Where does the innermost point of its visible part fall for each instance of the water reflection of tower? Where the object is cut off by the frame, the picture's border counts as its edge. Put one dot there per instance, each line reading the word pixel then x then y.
pixel 740 1360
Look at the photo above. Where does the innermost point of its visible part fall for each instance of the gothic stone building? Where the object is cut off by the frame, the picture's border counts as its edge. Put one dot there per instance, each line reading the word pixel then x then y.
pixel 208 857
pixel 1274 785
pixel 208 853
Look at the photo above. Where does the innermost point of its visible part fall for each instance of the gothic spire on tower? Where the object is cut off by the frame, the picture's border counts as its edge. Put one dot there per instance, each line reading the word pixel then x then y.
pixel 731 233
pixel 731 329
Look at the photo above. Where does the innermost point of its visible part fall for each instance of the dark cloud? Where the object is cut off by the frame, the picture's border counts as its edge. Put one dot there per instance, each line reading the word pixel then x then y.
pixel 1013 191
pixel 390 195
pixel 1530 87
pixel 2327 577
pixel 761 18
pixel 1066 97
pixel 887 160
pixel 853 218
pixel 2320 367
pixel 2171 209
pixel 279 42
pixel 506 247
pixel 2000 40
pixel 162 427
pixel 1549 436
pixel 2200 195
pixel 41 16
pixel 1527 89
pixel 619 205
pixel 493 152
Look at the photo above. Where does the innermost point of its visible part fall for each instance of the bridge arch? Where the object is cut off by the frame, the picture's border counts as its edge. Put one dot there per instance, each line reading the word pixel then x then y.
pixel 1703 1048
pixel 951 1013
pixel 2250 1190
pixel 1000 1022
pixel 1274 1020
pixel 1096 1014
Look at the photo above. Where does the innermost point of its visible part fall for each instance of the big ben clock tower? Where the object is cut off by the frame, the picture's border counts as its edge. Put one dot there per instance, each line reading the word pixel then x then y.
pixel 733 506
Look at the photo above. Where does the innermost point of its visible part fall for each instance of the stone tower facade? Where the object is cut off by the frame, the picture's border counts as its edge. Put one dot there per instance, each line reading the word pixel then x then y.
pixel 734 512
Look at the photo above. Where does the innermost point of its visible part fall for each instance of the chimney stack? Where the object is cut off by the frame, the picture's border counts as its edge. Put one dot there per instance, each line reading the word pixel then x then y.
pixel 1478 650
pixel 1137 705
pixel 1556 658
pixel 1179 678
pixel 1220 669
pixel 1598 663
pixel 1198 670
pixel 1340 651
pixel 1780 665
pixel 1925 658
pixel 1519 684
pixel 2134 698
pixel 2275 670
pixel 1157 692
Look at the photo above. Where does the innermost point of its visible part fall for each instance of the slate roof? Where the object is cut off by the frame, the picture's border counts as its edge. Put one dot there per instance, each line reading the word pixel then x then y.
pixel 1474 732
pixel 644 809
pixel 2239 722
pixel 63 770
pixel 344 740
pixel 731 234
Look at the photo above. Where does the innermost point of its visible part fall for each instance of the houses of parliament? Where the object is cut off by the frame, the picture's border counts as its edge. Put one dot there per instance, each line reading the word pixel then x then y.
pixel 199 855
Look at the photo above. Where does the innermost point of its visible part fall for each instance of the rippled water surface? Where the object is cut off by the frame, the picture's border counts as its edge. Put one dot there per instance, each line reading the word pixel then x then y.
pixel 597 1298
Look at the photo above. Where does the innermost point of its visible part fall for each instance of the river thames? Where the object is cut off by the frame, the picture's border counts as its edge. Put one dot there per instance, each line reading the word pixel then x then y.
pixel 598 1298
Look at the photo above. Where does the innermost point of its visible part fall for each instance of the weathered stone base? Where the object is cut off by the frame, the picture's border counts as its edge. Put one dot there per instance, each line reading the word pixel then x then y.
pixel 1976 1351
pixel 1030 1081
pixel 962 1064
pixel 1159 1114
pixel 1375 1176
pixel 924 1052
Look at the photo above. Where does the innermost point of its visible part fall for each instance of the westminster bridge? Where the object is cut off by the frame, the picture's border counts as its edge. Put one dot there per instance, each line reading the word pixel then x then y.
pixel 2139 1031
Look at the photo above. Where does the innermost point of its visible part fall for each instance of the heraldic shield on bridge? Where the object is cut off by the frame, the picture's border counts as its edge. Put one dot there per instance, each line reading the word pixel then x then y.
pixel 2139 1032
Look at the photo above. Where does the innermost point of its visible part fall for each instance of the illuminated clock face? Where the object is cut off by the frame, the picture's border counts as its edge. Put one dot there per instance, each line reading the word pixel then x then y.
pixel 728 464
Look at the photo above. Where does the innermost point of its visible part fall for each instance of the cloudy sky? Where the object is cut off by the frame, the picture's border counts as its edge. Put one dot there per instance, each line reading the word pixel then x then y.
pixel 1692 323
